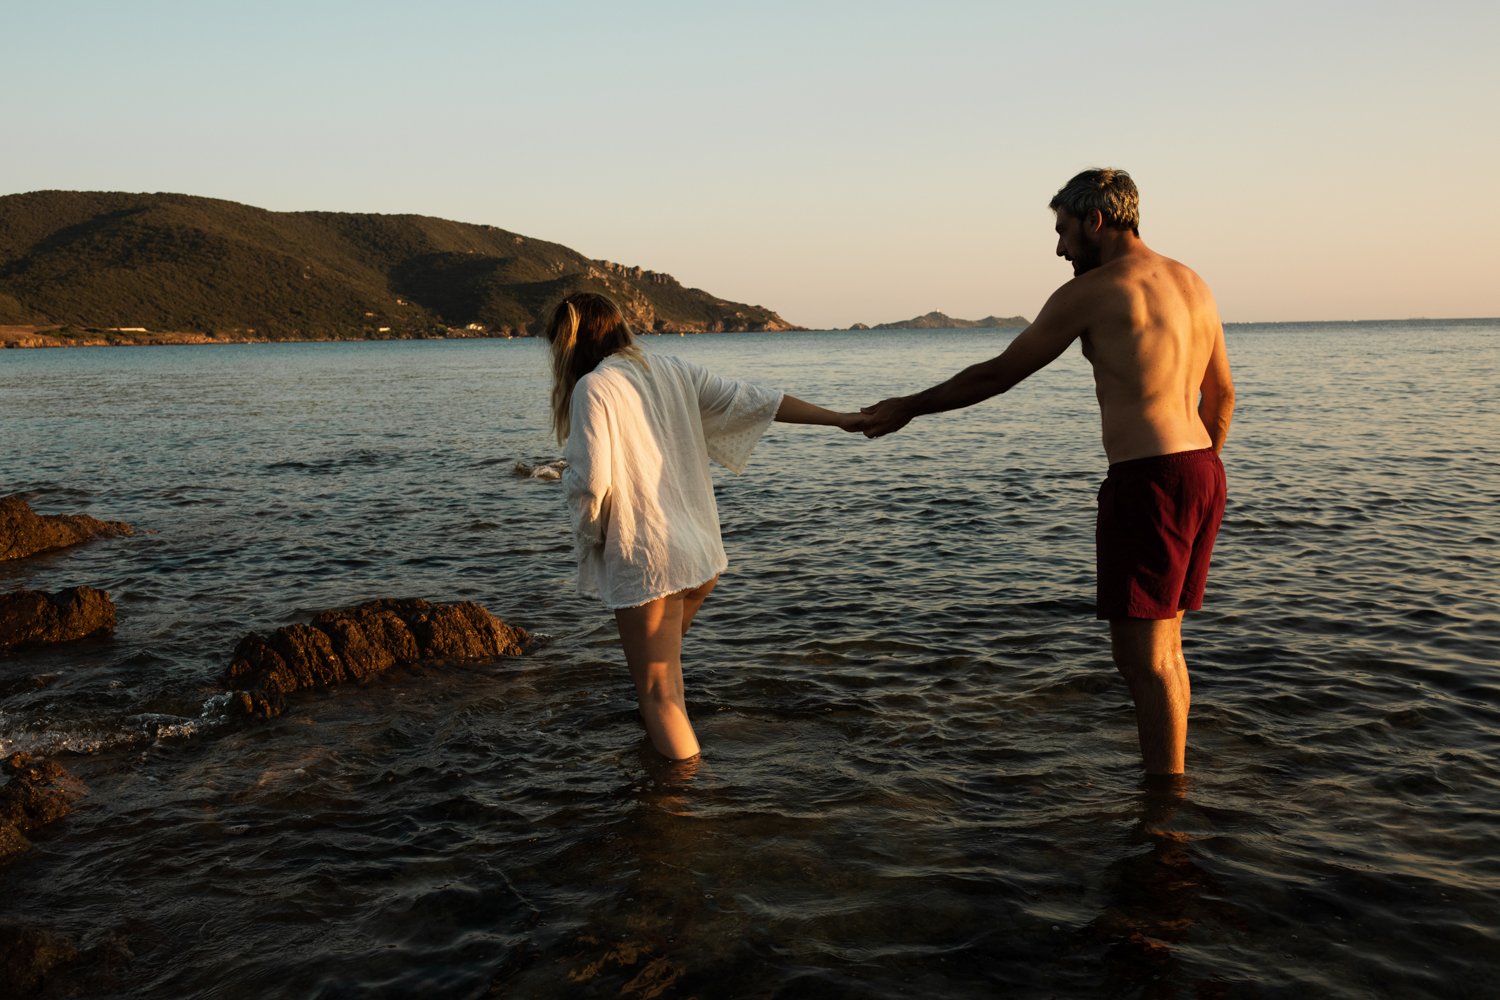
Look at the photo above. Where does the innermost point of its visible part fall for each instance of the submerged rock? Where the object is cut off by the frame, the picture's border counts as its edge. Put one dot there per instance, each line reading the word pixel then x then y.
pixel 38 793
pixel 357 644
pixel 38 962
pixel 35 617
pixel 23 532
pixel 29 954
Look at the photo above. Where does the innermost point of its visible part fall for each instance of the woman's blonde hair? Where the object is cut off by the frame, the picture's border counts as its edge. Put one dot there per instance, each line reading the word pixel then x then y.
pixel 586 328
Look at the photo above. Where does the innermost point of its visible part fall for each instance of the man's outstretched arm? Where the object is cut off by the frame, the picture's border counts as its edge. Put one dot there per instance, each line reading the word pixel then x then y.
pixel 1034 348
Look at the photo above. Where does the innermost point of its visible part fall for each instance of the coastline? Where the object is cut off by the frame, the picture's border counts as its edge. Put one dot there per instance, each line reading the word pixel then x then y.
pixel 26 337
pixel 58 335
pixel 20 336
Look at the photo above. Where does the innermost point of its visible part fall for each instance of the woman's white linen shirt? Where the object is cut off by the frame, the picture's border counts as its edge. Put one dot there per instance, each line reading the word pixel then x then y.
pixel 645 524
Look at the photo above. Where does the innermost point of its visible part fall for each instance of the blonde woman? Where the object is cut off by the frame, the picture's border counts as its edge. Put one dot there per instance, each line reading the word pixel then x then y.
pixel 638 434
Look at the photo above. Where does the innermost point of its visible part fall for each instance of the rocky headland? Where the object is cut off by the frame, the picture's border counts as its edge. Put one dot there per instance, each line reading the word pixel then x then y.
pixel 84 268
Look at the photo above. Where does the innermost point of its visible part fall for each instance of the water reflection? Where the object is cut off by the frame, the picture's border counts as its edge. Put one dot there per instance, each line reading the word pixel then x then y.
pixel 1155 900
pixel 648 875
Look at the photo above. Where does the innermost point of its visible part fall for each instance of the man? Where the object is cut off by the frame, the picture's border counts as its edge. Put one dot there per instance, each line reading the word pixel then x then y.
pixel 1151 331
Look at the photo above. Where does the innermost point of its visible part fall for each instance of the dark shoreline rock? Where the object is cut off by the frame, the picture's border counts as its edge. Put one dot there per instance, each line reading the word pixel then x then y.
pixel 36 961
pixel 358 644
pixel 23 532
pixel 38 793
pixel 35 617
pixel 28 955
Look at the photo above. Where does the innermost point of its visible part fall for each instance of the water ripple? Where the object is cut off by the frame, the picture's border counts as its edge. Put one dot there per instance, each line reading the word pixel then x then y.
pixel 920 775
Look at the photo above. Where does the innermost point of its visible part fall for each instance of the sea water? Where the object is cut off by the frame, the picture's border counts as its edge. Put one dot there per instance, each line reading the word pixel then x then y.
pixel 920 775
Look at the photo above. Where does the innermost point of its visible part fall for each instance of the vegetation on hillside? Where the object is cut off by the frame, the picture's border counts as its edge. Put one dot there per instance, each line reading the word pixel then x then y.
pixel 92 261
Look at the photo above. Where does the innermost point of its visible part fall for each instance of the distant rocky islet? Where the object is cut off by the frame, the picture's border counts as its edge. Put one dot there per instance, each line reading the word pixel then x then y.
pixel 942 321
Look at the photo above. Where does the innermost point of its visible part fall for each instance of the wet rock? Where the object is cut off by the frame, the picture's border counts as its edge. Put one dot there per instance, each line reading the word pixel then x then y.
pixel 540 470
pixel 23 532
pixel 357 644
pixel 38 793
pixel 34 617
pixel 28 955
pixel 17 685
pixel 38 962
pixel 12 842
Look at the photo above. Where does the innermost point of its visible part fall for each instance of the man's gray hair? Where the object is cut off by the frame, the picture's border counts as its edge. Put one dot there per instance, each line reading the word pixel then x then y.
pixel 1111 191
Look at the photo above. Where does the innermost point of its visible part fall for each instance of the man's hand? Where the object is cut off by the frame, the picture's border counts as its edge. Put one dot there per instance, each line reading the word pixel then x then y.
pixel 852 422
pixel 886 416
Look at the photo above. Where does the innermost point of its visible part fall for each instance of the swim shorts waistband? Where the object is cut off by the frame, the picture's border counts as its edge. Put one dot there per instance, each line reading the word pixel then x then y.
pixel 1159 461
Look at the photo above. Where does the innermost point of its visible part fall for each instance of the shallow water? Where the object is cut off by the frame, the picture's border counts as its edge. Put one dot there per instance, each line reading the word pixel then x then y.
pixel 920 773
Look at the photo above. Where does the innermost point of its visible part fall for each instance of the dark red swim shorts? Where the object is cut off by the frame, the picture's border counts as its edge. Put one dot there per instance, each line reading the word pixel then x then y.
pixel 1158 518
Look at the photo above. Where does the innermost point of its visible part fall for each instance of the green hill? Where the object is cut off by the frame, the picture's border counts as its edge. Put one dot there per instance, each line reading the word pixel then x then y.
pixel 172 262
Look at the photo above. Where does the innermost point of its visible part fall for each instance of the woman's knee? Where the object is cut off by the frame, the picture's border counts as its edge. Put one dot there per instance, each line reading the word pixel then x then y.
pixel 698 593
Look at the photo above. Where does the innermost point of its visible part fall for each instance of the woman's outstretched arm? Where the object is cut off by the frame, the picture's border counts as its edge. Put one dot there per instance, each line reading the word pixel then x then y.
pixel 795 411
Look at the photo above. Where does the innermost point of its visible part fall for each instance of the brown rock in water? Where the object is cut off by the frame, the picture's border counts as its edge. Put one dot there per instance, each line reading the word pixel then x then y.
pixel 29 954
pixel 359 643
pixel 38 793
pixel 38 962
pixel 34 617
pixel 23 532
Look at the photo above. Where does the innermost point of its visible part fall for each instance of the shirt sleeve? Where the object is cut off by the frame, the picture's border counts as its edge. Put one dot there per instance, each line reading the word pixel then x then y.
pixel 735 415
pixel 586 479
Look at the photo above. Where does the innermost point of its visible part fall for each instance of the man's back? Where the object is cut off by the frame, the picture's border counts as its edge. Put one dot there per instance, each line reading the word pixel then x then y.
pixel 1151 333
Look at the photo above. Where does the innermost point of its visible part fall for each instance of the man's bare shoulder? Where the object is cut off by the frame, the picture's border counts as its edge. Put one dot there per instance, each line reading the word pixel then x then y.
pixel 1084 290
pixel 1108 286
pixel 1150 277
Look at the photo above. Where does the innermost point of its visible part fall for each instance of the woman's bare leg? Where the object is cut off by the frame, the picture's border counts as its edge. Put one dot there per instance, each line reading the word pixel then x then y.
pixel 692 600
pixel 651 635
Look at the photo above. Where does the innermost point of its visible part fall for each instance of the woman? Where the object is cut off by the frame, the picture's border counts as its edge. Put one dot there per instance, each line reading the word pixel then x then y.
pixel 638 438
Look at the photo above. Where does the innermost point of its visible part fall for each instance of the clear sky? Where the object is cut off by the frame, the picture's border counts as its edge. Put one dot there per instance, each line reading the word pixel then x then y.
pixel 835 161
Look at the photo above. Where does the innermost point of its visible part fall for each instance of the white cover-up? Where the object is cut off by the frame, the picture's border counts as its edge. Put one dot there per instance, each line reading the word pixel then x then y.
pixel 645 524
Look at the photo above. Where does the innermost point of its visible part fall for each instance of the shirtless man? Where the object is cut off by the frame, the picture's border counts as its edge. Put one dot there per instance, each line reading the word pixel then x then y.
pixel 1151 331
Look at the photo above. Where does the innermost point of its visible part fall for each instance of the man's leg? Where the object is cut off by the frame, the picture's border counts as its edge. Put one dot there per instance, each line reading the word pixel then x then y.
pixel 1149 655
pixel 652 638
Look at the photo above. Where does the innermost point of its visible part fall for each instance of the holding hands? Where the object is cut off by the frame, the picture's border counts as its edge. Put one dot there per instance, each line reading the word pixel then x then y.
pixel 885 417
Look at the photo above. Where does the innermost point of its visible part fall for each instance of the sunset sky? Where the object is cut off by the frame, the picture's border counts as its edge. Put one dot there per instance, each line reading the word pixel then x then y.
pixel 836 162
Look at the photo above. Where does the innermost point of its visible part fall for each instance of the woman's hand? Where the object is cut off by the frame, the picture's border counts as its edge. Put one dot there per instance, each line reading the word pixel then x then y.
pixel 852 422
pixel 886 416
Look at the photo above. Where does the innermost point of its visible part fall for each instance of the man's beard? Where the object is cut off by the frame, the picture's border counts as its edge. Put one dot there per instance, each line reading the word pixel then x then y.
pixel 1087 260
